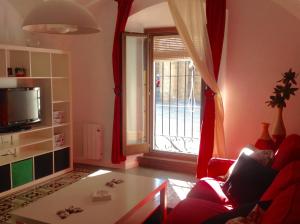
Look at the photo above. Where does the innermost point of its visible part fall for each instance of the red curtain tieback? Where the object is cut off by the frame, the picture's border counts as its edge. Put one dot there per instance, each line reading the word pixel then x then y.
pixel 209 93
pixel 118 91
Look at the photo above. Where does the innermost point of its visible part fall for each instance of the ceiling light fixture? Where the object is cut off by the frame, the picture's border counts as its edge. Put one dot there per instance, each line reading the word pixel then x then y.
pixel 60 17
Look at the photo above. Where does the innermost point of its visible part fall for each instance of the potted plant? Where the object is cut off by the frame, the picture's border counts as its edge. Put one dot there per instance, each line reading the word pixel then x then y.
pixel 285 88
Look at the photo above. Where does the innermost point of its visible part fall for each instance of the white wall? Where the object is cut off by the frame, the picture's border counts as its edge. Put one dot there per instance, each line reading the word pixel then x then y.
pixel 92 73
pixel 93 77
pixel 10 24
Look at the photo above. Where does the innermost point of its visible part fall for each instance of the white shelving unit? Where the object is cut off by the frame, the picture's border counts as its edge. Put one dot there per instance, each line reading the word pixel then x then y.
pixel 31 156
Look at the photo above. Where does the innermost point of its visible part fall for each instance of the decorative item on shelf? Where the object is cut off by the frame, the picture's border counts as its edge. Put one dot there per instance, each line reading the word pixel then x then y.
pixel 58 117
pixel 282 93
pixel 20 72
pixel 10 72
pixel 59 139
pixel 265 141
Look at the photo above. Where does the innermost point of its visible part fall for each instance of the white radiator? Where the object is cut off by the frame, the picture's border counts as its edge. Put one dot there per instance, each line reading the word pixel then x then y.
pixel 92 141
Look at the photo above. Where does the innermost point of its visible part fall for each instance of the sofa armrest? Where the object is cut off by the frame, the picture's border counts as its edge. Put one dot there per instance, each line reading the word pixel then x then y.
pixel 218 166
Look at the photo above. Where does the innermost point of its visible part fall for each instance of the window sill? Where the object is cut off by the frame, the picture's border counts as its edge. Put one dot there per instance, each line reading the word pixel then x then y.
pixel 169 161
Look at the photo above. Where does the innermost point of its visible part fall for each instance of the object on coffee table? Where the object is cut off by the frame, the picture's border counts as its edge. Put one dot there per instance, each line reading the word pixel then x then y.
pixel 119 181
pixel 113 182
pixel 73 209
pixel 62 214
pixel 101 195
pixel 110 184
pixel 68 211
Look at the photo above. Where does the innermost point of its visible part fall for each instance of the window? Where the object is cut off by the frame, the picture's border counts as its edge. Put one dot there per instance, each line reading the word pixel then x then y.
pixel 177 97
pixel 163 96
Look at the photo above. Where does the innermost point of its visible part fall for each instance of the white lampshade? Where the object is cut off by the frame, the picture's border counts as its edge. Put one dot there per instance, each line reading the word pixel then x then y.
pixel 60 17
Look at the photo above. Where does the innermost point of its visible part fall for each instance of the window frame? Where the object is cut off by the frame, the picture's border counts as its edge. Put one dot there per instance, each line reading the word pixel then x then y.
pixel 164 31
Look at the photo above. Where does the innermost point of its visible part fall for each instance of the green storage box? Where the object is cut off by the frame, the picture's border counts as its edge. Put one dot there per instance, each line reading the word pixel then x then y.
pixel 22 172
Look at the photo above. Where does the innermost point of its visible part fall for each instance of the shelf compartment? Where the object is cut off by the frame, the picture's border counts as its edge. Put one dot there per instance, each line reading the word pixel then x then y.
pixel 3 63
pixel 5 183
pixel 60 65
pixel 59 77
pixel 65 107
pixel 24 143
pixel 27 77
pixel 65 130
pixel 18 58
pixel 28 152
pixel 61 147
pixel 60 101
pixel 60 89
pixel 22 172
pixel 33 129
pixel 24 139
pixel 61 125
pixel 61 159
pixel 40 64
pixel 43 165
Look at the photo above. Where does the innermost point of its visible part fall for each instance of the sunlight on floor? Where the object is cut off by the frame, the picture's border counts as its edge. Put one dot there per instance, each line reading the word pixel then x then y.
pixel 98 173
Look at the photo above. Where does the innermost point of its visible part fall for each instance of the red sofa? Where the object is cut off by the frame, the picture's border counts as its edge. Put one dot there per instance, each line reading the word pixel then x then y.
pixel 207 198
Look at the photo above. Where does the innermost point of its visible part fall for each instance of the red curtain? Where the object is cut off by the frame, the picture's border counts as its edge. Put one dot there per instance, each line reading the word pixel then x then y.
pixel 124 7
pixel 216 16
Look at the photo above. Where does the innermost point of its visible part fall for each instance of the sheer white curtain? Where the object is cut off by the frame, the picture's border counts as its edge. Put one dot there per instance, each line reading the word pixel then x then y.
pixel 190 20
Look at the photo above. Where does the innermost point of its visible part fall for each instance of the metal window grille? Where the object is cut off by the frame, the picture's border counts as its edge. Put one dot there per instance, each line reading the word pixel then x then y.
pixel 177 106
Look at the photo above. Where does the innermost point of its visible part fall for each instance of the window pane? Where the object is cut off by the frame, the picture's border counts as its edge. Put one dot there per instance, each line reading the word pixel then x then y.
pixel 177 106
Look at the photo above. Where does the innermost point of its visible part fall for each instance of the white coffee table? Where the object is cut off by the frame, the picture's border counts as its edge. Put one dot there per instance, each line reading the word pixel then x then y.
pixel 127 199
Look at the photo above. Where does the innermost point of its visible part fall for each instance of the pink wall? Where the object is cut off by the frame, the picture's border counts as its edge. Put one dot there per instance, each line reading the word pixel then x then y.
pixel 263 42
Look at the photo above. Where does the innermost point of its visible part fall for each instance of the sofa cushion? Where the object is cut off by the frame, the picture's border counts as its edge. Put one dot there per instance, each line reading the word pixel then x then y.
pixel 285 207
pixel 288 151
pixel 248 181
pixel 264 157
pixel 209 189
pixel 194 211
pixel 287 176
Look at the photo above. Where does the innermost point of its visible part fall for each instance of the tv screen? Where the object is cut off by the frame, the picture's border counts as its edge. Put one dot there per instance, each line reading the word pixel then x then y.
pixel 19 106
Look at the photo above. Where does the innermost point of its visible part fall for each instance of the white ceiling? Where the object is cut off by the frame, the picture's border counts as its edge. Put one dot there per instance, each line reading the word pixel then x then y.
pixel 154 16
pixel 24 9
pixel 292 6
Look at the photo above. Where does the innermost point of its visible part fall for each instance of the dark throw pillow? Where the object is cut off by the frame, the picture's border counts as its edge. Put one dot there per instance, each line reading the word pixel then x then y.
pixel 248 181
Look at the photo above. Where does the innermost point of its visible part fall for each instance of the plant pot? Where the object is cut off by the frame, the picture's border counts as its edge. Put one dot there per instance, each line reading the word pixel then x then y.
pixel 265 141
pixel 279 132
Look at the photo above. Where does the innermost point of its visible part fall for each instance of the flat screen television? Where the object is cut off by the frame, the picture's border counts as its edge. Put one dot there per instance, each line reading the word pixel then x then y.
pixel 19 108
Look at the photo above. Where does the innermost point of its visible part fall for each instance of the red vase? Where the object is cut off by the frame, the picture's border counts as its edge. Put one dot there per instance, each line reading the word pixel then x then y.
pixel 279 131
pixel 265 141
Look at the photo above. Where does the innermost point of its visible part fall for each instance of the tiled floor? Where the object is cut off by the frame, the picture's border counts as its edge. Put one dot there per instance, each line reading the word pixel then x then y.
pixel 179 186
